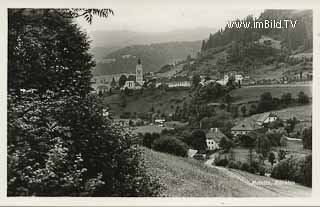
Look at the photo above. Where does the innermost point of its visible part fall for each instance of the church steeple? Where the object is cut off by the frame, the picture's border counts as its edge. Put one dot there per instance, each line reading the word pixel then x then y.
pixel 139 73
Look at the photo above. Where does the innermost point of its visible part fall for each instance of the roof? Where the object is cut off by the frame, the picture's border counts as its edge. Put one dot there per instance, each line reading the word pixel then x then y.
pixel 264 116
pixel 246 125
pixel 215 134
pixel 131 78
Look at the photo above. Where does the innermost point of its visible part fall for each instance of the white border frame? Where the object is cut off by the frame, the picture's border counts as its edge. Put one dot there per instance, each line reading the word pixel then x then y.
pixel 75 201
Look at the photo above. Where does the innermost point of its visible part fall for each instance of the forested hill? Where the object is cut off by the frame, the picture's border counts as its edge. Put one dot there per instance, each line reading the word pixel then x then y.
pixel 257 50
pixel 153 57
pixel 298 38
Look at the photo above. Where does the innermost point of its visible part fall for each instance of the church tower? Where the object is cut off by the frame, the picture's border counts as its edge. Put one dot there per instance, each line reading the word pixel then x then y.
pixel 139 73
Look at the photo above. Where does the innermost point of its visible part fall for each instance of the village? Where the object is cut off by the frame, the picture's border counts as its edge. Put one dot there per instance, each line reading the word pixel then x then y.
pixel 232 150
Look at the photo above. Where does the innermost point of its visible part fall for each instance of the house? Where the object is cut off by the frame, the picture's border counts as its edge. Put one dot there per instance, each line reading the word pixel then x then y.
pixel 213 137
pixel 223 81
pixel 266 118
pixel 179 81
pixel 246 126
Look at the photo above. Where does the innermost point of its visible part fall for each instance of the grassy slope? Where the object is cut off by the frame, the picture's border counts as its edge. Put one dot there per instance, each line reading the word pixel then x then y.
pixel 185 177
pixel 165 102
pixel 253 93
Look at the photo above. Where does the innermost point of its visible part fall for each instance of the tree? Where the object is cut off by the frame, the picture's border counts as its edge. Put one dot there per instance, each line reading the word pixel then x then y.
pixel 122 80
pixel 196 80
pixel 198 141
pixel 225 144
pixel 57 133
pixel 271 158
pixel 281 155
pixel 263 145
pixel 113 83
pixel 286 98
pixel 265 103
pixel 303 98
pixel 244 110
pixel 307 138
pixel 35 39
pixel 291 123
pixel 170 145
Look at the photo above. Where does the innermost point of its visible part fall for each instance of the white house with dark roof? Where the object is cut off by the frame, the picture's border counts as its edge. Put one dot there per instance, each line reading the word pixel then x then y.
pixel 266 118
pixel 213 137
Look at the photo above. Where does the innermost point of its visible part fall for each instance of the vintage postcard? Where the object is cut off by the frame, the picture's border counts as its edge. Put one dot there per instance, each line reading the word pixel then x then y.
pixel 165 100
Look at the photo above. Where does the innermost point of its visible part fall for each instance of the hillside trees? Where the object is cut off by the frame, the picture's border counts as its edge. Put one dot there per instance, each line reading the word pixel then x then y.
pixel 59 142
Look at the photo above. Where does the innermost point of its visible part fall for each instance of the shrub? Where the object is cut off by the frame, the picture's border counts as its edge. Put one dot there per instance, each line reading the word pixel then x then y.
pixel 245 167
pixel 298 169
pixel 170 145
pixel 262 171
pixel 234 164
pixel 221 162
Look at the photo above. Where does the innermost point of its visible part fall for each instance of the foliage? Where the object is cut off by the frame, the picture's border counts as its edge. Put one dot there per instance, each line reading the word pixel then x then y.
pixel 307 138
pixel 263 145
pixel 298 169
pixel 35 39
pixel 170 145
pixel 198 140
pixel 59 142
pixel 122 80
pixel 196 80
pixel 265 103
pixel 149 138
pixel 271 158
pixel 303 98
pixel 281 155
pixel 225 144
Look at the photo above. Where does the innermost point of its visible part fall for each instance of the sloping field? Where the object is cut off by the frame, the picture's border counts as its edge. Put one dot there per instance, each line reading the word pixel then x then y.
pixel 253 93
pixel 185 177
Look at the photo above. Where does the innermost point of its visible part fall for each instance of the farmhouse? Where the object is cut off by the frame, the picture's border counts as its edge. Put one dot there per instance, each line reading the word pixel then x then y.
pixel 214 135
pixel 266 118
pixel 244 127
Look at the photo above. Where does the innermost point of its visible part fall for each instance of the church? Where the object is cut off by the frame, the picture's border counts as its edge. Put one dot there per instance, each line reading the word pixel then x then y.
pixel 135 82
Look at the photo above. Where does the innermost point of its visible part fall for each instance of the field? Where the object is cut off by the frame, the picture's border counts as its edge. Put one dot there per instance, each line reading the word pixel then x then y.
pixel 300 112
pixel 160 101
pixel 149 128
pixel 253 93
pixel 185 177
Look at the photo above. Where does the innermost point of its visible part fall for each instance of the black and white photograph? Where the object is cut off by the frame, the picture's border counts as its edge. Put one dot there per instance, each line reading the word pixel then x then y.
pixel 159 100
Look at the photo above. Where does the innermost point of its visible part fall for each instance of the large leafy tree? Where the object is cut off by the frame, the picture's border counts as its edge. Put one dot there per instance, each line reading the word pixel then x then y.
pixel 59 142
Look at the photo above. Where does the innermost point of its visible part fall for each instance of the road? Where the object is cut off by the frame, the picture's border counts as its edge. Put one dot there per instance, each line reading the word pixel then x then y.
pixel 270 186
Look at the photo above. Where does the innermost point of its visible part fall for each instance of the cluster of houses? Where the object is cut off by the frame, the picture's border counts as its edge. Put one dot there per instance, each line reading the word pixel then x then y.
pixel 214 135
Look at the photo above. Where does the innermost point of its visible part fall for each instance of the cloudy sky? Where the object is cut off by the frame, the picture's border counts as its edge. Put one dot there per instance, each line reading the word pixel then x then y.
pixel 162 16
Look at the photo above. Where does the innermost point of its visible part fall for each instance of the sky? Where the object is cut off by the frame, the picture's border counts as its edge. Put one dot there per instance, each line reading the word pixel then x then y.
pixel 163 16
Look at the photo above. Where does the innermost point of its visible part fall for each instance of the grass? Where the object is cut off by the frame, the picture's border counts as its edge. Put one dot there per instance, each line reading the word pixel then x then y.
pixel 245 94
pixel 186 177
pixel 159 100
pixel 149 128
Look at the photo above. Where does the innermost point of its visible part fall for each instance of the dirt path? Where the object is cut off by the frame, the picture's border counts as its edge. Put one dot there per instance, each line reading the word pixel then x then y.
pixel 270 186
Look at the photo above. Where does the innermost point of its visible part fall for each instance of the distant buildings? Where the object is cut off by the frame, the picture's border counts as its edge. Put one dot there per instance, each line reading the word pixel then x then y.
pixel 253 123
pixel 135 82
pixel 245 127
pixel 174 82
pixel 213 137
pixel 266 118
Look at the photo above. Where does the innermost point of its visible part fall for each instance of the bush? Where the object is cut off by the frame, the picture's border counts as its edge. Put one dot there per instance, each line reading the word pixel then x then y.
pixel 245 167
pixel 234 164
pixel 297 169
pixel 58 147
pixel 221 162
pixel 170 145
pixel 262 171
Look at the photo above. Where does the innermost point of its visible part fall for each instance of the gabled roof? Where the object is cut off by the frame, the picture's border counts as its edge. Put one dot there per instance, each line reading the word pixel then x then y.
pixel 131 78
pixel 215 134
pixel 264 116
pixel 246 125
